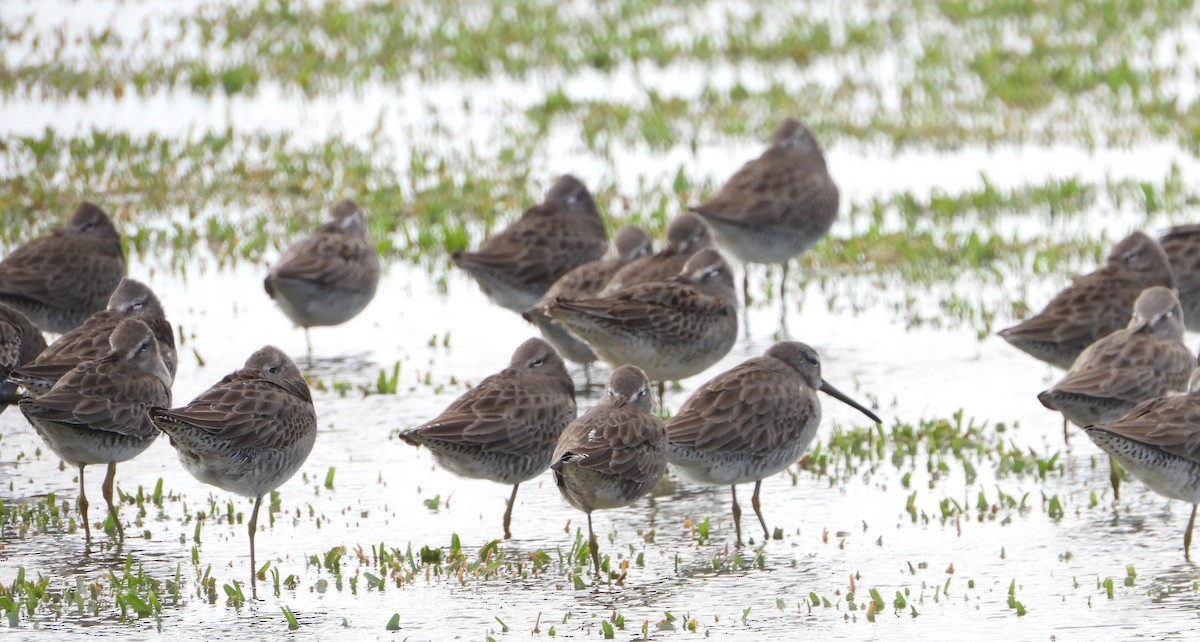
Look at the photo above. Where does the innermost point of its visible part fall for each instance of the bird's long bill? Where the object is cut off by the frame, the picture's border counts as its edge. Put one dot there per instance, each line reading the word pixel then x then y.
pixel 837 394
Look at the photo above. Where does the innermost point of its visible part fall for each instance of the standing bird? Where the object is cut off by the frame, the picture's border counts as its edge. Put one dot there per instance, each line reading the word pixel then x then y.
pixel 516 267
pixel 1159 442
pixel 504 429
pixel 629 243
pixel 686 235
pixel 670 329
pixel 249 433
pixel 131 300
pixel 329 276
pixel 20 343
pixel 1182 247
pixel 752 421
pixel 60 279
pixel 96 413
pixel 615 453
pixel 776 206
pixel 1145 360
pixel 1094 305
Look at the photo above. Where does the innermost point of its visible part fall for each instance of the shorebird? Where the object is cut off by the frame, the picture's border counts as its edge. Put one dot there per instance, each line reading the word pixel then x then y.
pixel 249 433
pixel 329 276
pixel 752 421
pixel 629 243
pixel 505 428
pixel 20 343
pixel 1159 442
pixel 1181 244
pixel 614 453
pixel 60 279
pixel 686 235
pixel 1094 305
pixel 516 267
pixel 96 413
pixel 776 206
pixel 670 329
pixel 1145 360
pixel 131 300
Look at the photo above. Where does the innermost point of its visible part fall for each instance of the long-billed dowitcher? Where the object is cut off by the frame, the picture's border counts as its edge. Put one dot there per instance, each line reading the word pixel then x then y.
pixel 686 235
pixel 329 276
pixel 752 421
pixel 20 343
pixel 776 206
pixel 504 429
pixel 249 433
pixel 131 300
pixel 670 329
pixel 614 453
pixel 1094 305
pixel 629 243
pixel 516 267
pixel 1159 442
pixel 1182 247
pixel 96 413
pixel 1145 360
pixel 60 279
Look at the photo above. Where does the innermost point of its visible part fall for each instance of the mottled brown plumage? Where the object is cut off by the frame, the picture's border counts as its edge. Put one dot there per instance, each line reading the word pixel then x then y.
pixel 1159 443
pixel 629 243
pixel 777 205
pixel 670 329
pixel 61 279
pixel 96 413
pixel 1094 305
pixel 516 267
pixel 131 300
pixel 505 429
pixel 20 343
pixel 1181 244
pixel 249 433
pixel 329 276
pixel 686 235
pixel 752 421
pixel 1143 361
pixel 614 453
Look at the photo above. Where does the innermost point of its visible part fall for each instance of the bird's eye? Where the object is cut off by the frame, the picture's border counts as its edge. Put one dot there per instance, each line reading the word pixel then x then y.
pixel 138 306
pixel 537 363
pixel 272 369
pixel 1132 256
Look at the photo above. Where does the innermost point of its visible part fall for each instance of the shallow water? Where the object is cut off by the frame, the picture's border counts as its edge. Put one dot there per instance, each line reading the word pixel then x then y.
pixel 834 528
pixel 907 526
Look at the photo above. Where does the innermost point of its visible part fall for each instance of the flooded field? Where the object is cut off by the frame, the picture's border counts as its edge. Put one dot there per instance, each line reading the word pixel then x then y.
pixel 983 155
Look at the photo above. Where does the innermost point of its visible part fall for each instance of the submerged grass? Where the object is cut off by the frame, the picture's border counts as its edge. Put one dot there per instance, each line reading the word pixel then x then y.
pixel 955 72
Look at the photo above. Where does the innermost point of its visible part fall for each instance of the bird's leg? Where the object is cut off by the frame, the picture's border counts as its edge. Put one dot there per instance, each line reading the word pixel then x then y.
pixel 253 566
pixel 1066 432
pixel 308 342
pixel 83 506
pixel 783 289
pixel 109 478
pixel 1114 477
pixel 1187 535
pixel 758 510
pixel 508 512
pixel 662 391
pixel 593 546
pixel 746 286
pixel 737 514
